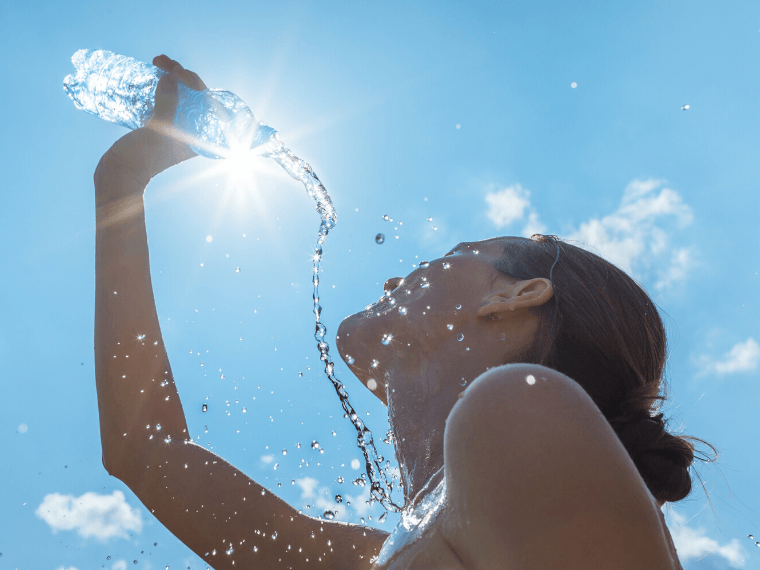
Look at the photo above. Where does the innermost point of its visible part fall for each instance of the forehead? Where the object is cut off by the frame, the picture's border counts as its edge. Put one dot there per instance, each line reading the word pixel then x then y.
pixel 489 247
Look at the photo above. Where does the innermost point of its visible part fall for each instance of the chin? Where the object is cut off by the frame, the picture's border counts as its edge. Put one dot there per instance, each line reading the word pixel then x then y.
pixel 344 338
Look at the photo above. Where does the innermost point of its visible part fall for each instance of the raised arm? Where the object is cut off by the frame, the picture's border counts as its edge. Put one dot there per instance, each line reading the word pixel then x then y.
pixel 216 510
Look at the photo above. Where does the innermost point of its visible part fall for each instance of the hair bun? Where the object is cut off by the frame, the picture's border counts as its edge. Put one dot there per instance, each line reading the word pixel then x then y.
pixel 663 460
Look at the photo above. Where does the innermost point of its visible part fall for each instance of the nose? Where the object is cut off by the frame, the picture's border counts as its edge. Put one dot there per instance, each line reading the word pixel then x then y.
pixel 392 284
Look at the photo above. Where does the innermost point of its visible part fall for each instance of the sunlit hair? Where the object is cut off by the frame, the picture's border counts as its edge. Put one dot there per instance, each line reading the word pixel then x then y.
pixel 602 330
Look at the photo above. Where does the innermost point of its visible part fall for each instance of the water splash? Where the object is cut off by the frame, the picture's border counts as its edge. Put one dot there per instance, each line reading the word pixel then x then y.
pixel 380 487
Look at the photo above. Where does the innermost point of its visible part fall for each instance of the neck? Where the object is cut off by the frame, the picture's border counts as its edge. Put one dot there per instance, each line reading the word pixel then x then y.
pixel 419 458
pixel 417 411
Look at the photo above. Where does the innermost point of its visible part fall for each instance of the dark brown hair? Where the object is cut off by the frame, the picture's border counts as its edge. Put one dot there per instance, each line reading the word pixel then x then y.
pixel 602 330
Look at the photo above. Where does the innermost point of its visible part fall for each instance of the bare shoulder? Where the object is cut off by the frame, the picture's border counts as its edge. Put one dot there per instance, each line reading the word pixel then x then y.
pixel 537 478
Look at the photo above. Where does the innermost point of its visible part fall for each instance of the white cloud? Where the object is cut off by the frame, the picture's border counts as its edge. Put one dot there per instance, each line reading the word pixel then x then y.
pixel 67 568
pixel 323 498
pixel 266 459
pixel 692 543
pixel 635 237
pixel 680 264
pixel 507 205
pixel 631 238
pixel 101 516
pixel 511 204
pixel 120 565
pixel 533 225
pixel 743 357
pixel 308 486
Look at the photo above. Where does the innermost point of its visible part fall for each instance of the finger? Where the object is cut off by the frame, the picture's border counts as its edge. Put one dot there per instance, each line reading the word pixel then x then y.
pixel 164 62
pixel 194 82
pixel 166 100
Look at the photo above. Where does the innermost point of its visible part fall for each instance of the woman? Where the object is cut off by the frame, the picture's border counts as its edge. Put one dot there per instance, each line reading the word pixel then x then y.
pixel 520 383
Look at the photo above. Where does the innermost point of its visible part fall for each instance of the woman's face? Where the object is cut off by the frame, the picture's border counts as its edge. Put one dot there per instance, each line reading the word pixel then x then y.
pixel 422 316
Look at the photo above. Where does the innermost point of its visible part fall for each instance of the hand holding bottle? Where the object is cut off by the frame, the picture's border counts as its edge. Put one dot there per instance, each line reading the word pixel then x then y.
pixel 141 154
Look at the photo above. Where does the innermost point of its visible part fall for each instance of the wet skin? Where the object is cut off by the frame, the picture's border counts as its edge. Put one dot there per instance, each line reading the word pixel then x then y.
pixel 422 371
pixel 522 461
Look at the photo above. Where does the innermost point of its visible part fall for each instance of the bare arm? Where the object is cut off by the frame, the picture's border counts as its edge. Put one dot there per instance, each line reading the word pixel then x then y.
pixel 203 500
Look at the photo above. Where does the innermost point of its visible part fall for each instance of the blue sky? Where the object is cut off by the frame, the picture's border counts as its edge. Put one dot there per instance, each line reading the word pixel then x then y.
pixel 460 112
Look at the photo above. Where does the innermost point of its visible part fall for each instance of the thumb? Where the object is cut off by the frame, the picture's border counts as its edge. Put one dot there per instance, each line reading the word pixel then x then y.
pixel 165 106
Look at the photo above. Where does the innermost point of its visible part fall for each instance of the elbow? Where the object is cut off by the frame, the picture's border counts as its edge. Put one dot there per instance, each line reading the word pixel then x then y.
pixel 111 465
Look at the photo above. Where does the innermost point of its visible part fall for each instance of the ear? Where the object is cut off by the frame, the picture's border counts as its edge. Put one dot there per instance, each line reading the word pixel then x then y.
pixel 516 296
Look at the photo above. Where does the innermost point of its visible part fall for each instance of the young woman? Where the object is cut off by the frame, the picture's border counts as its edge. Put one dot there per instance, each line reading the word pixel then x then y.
pixel 534 443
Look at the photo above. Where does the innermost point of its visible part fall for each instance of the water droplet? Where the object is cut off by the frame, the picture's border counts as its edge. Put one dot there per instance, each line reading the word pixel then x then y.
pixel 503 336
pixel 463 382
pixel 424 264
pixel 435 228
pixel 372 384
pixel 158 427
pixel 403 310
pixel 386 218
pixel 460 337
pixel 573 85
pixel 387 338
pixel 237 270
pixel 458 307
pixel 298 446
pixel 329 515
pixel 379 238
pixel 382 517
pixel 140 337
pixel 375 363
pixel 340 479
pixel 349 359
pixel 205 407
pixel 314 445
pixel 165 383
pixel 274 535
pixel 530 379
pixel 450 327
pixel 230 550
pixel 255 548
pixel 300 374
pixel 430 219
pixel 685 108
pixel 425 285
pixel 750 537
pixel 338 499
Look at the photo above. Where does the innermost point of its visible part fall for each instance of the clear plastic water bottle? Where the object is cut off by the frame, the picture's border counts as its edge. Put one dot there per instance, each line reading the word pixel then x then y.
pixel 122 90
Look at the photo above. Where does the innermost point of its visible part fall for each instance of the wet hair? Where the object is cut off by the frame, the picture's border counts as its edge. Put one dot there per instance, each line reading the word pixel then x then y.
pixel 602 330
